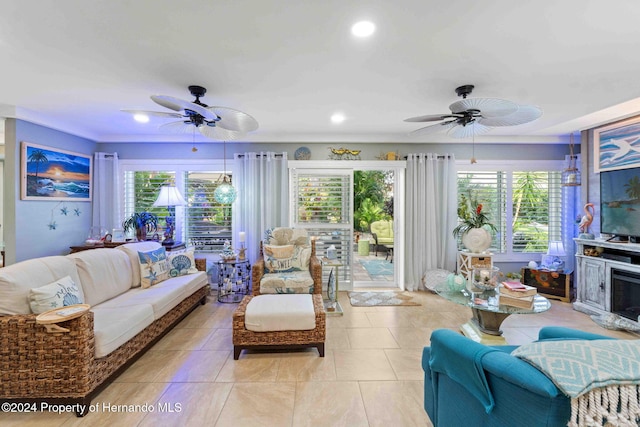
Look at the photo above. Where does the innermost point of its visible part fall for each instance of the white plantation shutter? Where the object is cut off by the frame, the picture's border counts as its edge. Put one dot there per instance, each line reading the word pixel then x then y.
pixel 524 206
pixel 533 229
pixel 207 222
pixel 141 188
pixel 322 203
pixel 202 223
pixel 489 189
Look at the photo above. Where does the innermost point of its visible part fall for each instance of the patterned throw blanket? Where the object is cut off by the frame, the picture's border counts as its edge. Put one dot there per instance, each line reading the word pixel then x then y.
pixel 602 377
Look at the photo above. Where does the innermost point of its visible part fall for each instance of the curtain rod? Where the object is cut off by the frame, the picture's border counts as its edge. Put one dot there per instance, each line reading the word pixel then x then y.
pixel 439 156
pixel 241 156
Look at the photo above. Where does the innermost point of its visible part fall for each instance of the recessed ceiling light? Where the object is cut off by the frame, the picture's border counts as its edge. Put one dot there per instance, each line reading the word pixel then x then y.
pixel 363 29
pixel 141 118
pixel 337 118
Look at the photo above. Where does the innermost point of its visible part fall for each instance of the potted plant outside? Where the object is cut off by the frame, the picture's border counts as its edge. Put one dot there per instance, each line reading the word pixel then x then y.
pixel 475 230
pixel 142 223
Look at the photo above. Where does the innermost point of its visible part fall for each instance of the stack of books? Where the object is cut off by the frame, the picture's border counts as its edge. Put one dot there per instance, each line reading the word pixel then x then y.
pixel 516 294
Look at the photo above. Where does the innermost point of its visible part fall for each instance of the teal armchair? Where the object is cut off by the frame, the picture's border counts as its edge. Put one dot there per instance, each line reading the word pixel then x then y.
pixel 470 384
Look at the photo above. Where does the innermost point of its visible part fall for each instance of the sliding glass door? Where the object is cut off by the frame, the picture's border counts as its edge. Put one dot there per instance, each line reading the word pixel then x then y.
pixel 322 201
pixel 327 200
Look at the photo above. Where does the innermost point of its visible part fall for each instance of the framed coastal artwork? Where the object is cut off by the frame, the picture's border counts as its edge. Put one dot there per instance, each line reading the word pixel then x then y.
pixel 617 146
pixel 53 174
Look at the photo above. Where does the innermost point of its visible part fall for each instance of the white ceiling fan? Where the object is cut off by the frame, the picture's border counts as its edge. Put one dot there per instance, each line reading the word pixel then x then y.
pixel 219 123
pixel 476 116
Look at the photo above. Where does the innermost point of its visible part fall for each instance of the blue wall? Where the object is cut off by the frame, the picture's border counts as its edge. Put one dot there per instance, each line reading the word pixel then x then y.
pixel 27 233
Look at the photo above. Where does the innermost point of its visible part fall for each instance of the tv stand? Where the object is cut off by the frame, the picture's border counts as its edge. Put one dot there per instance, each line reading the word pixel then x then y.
pixel 623 239
pixel 595 260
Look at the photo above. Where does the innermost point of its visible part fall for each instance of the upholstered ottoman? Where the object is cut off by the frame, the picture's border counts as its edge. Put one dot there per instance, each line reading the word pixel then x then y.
pixel 280 321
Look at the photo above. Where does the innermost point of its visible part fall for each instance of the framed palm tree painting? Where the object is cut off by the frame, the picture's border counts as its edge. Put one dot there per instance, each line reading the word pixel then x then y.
pixel 52 174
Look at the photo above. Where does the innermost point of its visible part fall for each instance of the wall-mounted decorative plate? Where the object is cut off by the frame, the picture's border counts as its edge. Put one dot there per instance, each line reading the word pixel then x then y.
pixel 302 153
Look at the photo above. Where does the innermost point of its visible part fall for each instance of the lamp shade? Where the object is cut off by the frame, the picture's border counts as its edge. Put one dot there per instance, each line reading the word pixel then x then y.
pixel 556 248
pixel 169 196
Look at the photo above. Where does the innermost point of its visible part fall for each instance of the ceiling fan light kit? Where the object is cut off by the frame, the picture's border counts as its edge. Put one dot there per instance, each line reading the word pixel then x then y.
pixel 476 116
pixel 217 123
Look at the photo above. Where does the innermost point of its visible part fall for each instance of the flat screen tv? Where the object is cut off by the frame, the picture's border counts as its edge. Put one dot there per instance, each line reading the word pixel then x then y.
pixel 620 203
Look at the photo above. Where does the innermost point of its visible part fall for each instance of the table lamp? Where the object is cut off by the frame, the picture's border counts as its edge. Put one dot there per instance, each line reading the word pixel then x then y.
pixel 552 261
pixel 170 197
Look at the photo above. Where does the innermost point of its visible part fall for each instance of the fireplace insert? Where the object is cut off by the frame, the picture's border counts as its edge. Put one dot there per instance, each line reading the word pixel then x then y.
pixel 625 293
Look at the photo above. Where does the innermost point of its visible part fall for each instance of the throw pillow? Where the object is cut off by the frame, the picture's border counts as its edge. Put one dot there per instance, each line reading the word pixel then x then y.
pixel 181 263
pixel 153 267
pixel 58 294
pixel 278 257
pixel 284 258
pixel 431 279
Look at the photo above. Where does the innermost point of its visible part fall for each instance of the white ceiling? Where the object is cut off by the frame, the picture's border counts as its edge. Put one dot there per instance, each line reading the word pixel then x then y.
pixel 73 64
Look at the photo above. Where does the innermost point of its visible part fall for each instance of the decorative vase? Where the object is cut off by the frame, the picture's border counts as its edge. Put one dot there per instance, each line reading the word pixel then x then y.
pixel 484 279
pixel 477 240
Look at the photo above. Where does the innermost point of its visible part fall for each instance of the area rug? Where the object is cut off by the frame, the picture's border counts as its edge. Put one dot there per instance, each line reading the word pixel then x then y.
pixel 378 267
pixel 380 298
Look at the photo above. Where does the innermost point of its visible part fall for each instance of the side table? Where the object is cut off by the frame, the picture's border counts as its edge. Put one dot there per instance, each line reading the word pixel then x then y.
pixel 176 246
pixel 331 304
pixel 234 280
pixel 80 248
pixel 468 260
pixel 363 247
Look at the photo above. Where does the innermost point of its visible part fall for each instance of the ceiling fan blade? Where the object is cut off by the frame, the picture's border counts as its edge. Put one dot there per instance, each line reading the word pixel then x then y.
pixel 525 114
pixel 234 120
pixel 489 107
pixel 177 127
pixel 154 113
pixel 177 104
pixel 427 130
pixel 469 130
pixel 429 118
pixel 218 133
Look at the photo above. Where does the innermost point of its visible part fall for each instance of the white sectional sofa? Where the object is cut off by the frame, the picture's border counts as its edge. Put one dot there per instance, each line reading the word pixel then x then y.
pixel 124 320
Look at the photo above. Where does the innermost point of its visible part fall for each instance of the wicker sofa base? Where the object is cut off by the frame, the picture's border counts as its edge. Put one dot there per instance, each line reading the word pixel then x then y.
pixel 246 339
pixel 36 366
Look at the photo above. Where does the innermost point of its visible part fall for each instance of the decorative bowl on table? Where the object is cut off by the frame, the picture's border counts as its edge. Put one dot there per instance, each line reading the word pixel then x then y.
pixel 484 279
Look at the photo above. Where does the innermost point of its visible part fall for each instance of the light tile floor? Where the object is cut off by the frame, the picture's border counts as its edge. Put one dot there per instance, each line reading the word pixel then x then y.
pixel 370 376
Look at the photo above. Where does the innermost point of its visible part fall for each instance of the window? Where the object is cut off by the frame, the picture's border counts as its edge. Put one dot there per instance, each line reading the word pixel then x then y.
pixel 524 205
pixel 208 223
pixel 203 223
pixel 141 189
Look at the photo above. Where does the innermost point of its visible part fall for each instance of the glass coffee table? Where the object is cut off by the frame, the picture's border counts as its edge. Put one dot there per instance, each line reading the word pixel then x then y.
pixel 484 326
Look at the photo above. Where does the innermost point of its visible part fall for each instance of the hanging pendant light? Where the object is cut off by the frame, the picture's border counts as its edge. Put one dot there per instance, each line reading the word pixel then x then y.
pixel 225 193
pixel 571 175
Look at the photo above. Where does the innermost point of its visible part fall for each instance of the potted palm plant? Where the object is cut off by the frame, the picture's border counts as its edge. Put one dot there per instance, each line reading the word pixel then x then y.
pixel 142 223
